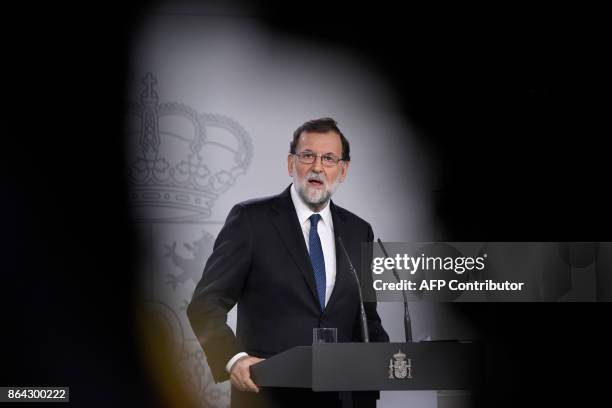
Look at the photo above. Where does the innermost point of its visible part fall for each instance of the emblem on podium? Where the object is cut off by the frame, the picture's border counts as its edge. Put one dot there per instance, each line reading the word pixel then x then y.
pixel 399 367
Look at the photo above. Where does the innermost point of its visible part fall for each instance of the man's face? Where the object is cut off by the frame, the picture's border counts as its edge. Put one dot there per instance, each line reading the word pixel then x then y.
pixel 315 183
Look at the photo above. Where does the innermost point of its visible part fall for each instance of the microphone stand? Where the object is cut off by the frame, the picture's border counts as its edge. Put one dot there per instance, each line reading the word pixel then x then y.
pixel 364 320
pixel 407 321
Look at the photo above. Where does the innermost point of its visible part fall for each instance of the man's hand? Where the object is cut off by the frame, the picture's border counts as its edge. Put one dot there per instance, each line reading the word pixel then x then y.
pixel 240 375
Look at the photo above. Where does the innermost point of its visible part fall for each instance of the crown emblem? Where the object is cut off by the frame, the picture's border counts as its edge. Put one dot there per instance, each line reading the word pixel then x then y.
pixel 399 367
pixel 181 161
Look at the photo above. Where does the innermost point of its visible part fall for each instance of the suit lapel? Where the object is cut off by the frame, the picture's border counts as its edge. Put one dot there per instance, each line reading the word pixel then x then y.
pixel 290 231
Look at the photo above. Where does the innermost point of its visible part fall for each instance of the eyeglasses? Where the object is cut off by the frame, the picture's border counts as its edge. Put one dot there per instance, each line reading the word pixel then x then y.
pixel 328 160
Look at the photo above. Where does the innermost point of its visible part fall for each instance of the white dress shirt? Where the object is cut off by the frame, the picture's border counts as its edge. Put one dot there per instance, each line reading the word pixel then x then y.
pixel 325 228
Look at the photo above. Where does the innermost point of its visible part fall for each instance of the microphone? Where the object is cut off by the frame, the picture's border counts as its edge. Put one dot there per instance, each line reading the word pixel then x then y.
pixel 407 321
pixel 364 320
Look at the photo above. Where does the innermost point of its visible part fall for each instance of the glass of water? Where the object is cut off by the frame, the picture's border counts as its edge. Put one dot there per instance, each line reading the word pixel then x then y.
pixel 324 335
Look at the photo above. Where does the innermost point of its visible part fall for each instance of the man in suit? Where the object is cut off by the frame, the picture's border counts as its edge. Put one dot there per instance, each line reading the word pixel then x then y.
pixel 277 259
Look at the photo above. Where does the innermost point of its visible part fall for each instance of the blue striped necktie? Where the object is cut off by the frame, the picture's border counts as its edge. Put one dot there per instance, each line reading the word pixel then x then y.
pixel 317 259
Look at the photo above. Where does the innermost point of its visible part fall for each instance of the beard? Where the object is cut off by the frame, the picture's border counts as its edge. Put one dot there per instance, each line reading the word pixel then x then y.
pixel 315 198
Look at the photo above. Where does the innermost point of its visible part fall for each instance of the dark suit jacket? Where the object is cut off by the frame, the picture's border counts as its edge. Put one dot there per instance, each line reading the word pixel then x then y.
pixel 261 262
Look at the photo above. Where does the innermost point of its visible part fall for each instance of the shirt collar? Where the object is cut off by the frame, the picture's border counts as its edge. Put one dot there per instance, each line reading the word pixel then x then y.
pixel 304 212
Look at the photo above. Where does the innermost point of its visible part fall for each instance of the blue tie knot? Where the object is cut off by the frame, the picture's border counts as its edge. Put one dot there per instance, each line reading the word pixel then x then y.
pixel 314 220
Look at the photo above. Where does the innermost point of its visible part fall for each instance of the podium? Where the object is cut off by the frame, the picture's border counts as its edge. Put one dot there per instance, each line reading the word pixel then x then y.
pixel 435 365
